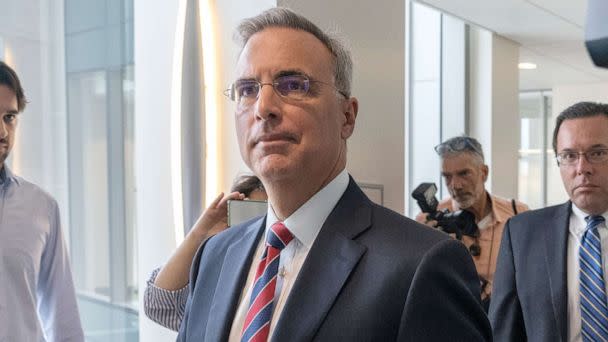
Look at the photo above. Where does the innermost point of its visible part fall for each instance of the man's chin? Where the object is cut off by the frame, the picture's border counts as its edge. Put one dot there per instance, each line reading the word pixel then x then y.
pixel 464 204
pixel 273 167
pixel 591 204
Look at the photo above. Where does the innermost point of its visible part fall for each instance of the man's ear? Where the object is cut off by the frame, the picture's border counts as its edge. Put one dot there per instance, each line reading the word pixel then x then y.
pixel 485 171
pixel 350 108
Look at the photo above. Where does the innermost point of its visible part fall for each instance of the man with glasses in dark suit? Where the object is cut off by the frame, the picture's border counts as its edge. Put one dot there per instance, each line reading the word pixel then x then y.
pixel 465 173
pixel 325 263
pixel 550 282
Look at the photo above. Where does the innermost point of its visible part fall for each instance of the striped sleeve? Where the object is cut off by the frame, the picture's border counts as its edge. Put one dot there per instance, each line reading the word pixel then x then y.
pixel 163 306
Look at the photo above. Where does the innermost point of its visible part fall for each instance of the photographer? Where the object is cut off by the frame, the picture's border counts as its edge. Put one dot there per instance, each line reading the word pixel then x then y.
pixel 465 173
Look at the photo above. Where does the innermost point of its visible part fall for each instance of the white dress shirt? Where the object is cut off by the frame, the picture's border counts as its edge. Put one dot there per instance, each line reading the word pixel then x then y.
pixel 305 224
pixel 577 228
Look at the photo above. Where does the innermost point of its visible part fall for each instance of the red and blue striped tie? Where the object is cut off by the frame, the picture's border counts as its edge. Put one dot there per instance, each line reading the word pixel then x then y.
pixel 257 322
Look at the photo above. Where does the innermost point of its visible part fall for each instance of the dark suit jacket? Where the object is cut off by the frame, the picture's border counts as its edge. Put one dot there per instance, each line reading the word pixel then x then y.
pixel 530 296
pixel 371 275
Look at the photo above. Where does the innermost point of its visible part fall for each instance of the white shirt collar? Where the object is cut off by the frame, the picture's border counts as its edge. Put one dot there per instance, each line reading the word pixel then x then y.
pixel 306 222
pixel 578 225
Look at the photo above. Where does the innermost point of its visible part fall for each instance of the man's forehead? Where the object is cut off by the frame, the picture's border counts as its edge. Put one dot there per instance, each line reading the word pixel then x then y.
pixel 454 170
pixel 458 163
pixel 276 49
pixel 591 130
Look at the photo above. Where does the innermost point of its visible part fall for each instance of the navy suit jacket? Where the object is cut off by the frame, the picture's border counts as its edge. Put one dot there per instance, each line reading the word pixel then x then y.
pixel 530 296
pixel 371 275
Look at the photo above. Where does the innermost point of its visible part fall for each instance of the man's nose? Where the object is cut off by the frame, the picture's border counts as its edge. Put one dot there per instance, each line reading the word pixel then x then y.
pixel 267 103
pixel 583 166
pixel 456 183
pixel 3 130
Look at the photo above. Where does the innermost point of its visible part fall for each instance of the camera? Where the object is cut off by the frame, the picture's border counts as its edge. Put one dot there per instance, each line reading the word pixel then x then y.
pixel 460 222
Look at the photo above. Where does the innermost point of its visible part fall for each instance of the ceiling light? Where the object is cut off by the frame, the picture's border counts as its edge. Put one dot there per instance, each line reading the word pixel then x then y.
pixel 527 66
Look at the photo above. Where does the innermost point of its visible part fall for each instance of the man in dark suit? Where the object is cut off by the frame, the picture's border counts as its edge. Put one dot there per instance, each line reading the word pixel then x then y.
pixel 325 263
pixel 550 283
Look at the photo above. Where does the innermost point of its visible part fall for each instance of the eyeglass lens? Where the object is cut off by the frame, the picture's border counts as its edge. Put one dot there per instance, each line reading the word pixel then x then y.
pixel 292 86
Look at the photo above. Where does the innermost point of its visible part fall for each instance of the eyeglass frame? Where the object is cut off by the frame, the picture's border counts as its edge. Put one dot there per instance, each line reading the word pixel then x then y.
pixel 559 159
pixel 231 91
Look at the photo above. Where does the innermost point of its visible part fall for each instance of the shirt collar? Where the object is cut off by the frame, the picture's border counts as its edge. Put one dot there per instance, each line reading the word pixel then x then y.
pixel 496 214
pixel 499 214
pixel 7 175
pixel 306 222
pixel 578 225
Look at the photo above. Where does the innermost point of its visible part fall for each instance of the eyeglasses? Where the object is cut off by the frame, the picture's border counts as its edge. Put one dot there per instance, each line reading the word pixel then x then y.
pixel 458 145
pixel 294 87
pixel 595 156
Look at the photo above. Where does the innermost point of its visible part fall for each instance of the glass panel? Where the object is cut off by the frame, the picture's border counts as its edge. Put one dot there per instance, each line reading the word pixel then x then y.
pixel 530 181
pixel 425 124
pixel 99 69
pixel 128 91
pixel 88 153
pixel 438 92
pixel 556 193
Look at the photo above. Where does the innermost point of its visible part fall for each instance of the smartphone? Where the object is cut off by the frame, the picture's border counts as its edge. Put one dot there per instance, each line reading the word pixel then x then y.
pixel 241 211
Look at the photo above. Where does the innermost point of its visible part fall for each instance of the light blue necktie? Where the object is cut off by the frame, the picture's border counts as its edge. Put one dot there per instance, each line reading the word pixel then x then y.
pixel 594 309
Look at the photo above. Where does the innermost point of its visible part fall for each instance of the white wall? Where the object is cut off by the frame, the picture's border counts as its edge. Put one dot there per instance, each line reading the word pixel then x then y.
pixel 376 33
pixel 505 117
pixel 494 107
pixel 153 53
pixel 565 95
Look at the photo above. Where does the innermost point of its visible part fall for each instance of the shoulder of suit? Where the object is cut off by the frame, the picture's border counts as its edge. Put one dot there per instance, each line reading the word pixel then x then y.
pixel 537 216
pixel 226 237
pixel 397 227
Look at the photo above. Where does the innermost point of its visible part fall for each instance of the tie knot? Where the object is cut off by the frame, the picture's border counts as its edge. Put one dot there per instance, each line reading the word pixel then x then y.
pixel 594 220
pixel 279 236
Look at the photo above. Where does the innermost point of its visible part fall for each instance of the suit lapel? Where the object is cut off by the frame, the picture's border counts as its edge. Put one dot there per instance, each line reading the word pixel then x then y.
pixel 330 261
pixel 556 247
pixel 231 281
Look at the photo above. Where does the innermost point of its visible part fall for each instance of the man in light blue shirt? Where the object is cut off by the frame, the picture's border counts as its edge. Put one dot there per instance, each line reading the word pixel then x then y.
pixel 37 298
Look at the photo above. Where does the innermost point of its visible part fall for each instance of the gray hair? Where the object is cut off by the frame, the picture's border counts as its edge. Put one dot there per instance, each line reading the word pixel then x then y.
pixel 283 17
pixel 577 111
pixel 458 145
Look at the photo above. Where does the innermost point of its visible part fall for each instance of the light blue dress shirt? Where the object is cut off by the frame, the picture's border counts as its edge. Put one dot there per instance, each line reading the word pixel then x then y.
pixel 37 298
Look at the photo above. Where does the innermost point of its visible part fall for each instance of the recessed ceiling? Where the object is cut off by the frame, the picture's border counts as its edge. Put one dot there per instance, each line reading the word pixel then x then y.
pixel 551 34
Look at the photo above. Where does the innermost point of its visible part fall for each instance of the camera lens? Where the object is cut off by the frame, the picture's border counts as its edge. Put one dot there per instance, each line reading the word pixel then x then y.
pixel 475 249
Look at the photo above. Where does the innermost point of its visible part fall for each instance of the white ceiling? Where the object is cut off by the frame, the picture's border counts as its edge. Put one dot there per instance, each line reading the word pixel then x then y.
pixel 551 34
